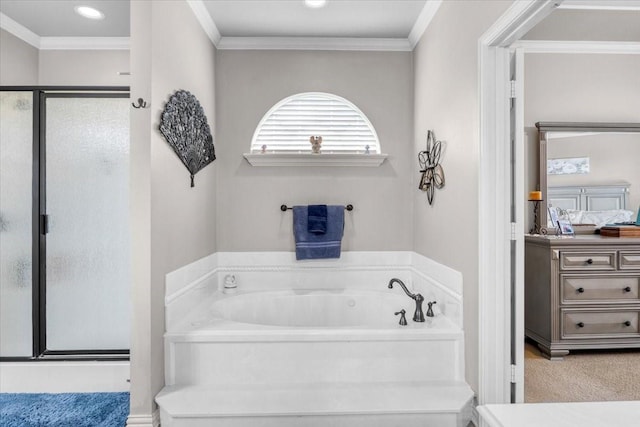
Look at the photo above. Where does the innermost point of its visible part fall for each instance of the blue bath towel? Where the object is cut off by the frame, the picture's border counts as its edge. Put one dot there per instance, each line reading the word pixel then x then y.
pixel 318 246
pixel 317 219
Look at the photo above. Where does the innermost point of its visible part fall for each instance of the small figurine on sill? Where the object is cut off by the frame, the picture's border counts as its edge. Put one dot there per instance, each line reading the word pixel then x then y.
pixel 316 142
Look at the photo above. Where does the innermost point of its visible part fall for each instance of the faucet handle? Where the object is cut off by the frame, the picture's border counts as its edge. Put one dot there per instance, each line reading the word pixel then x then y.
pixel 429 309
pixel 403 320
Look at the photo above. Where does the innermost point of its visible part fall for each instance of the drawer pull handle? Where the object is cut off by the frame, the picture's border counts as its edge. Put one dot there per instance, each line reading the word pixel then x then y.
pixel 580 325
pixel 580 290
pixel 627 289
pixel 589 261
pixel 627 323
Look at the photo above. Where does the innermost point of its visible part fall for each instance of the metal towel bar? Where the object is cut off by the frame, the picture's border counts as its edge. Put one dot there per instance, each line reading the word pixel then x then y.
pixel 284 208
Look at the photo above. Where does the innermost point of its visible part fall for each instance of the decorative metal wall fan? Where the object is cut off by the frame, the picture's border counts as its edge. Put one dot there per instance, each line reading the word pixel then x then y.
pixel 430 167
pixel 185 128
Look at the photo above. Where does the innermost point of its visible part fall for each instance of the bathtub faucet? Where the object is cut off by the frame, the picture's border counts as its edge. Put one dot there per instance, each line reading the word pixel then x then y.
pixel 418 316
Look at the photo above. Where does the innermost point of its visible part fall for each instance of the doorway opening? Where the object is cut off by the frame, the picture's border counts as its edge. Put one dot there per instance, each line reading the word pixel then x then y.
pixel 501 365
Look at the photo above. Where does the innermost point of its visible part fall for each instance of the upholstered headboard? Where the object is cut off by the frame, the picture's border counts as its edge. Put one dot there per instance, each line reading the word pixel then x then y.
pixel 592 204
pixel 589 197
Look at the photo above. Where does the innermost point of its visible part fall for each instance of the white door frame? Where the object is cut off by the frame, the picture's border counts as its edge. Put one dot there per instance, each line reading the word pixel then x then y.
pixel 518 228
pixel 495 228
pixel 494 202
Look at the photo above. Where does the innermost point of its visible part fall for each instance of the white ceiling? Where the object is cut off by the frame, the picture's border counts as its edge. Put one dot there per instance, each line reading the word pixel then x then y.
pixel 56 18
pixel 338 18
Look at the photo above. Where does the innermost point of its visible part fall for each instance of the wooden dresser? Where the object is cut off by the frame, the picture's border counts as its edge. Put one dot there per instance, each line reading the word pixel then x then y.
pixel 582 292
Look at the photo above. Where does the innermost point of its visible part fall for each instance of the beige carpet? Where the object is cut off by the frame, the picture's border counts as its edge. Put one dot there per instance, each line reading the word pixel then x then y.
pixel 583 376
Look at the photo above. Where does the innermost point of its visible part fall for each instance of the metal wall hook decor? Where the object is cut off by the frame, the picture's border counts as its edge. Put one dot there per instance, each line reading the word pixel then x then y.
pixel 430 167
pixel 184 126
pixel 141 103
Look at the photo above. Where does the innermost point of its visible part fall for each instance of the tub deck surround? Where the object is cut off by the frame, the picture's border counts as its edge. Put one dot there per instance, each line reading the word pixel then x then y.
pixel 220 330
pixel 313 356
pixel 435 404
pixel 339 356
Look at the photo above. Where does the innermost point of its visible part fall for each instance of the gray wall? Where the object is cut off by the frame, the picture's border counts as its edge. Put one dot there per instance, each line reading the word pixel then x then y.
pixel 24 65
pixel 18 61
pixel 577 88
pixel 580 25
pixel 613 158
pixel 83 67
pixel 249 83
pixel 173 224
pixel 446 101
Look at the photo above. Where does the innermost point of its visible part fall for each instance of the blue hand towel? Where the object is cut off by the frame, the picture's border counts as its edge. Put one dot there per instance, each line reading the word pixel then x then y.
pixel 318 246
pixel 317 219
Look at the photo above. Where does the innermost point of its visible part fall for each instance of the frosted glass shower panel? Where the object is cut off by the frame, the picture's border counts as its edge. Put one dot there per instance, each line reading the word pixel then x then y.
pixel 16 169
pixel 87 179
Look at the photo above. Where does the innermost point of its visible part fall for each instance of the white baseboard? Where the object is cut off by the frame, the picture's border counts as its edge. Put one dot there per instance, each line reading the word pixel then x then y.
pixel 475 417
pixel 64 377
pixel 146 420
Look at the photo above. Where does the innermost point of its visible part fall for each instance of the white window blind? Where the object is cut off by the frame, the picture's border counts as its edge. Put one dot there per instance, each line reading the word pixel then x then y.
pixel 287 127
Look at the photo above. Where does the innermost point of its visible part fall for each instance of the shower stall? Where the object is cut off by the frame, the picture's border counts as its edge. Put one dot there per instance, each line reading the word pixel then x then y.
pixel 64 224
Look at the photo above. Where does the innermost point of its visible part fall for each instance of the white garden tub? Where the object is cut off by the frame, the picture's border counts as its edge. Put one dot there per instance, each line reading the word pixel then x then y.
pixel 312 344
pixel 315 308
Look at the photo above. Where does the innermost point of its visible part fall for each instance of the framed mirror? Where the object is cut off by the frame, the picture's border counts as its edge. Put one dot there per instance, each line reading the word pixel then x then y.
pixel 590 171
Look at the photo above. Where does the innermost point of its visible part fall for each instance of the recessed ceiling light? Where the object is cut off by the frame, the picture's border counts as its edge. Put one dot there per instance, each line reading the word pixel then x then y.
pixel 315 4
pixel 89 12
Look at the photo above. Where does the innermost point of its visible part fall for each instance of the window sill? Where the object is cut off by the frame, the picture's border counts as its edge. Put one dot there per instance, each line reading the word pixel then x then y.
pixel 309 159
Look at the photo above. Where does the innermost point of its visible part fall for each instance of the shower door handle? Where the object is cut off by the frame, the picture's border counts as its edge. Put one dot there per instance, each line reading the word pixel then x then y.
pixel 45 223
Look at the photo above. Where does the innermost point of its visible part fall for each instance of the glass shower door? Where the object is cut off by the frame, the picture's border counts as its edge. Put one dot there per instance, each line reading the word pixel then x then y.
pixel 16 172
pixel 87 207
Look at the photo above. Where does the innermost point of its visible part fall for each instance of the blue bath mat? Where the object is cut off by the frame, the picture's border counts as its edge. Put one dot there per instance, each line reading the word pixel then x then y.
pixel 64 409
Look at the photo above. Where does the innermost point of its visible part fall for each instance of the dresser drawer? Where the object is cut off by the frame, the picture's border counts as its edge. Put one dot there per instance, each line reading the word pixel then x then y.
pixel 605 260
pixel 599 288
pixel 629 260
pixel 591 323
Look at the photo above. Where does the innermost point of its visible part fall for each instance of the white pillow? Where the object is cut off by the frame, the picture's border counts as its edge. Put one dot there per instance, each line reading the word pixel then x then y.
pixel 601 218
pixel 575 216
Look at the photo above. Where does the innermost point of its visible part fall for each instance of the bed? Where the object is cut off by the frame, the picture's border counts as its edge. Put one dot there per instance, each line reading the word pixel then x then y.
pixel 592 206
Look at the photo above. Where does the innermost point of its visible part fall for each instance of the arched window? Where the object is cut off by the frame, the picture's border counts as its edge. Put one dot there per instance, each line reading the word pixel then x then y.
pixel 288 126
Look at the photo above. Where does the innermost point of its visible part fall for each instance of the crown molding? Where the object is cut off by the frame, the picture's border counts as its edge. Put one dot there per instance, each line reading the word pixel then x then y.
pixel 19 31
pixel 314 43
pixel 424 19
pixel 516 22
pixel 206 22
pixel 84 43
pixel 600 5
pixel 593 47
